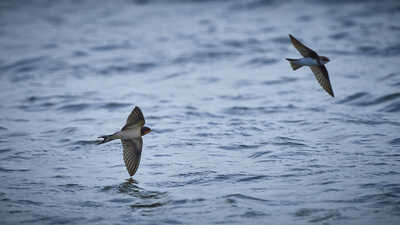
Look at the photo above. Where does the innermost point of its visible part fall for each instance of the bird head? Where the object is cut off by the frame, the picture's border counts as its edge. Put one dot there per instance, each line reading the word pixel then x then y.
pixel 324 59
pixel 145 130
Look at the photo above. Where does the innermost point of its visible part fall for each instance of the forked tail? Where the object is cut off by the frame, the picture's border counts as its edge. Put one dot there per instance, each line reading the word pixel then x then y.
pixel 293 63
pixel 107 138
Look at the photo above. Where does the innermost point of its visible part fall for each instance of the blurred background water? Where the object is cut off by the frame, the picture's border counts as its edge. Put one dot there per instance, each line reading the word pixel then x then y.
pixel 238 137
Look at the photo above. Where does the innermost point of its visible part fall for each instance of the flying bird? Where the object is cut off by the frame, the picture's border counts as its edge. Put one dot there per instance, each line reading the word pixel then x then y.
pixel 131 138
pixel 314 61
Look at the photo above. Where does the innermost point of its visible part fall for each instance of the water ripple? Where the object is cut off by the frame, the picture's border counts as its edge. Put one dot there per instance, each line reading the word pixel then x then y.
pixel 234 197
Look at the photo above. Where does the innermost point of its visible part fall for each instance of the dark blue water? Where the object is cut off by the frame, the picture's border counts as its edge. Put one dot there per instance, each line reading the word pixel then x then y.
pixel 238 137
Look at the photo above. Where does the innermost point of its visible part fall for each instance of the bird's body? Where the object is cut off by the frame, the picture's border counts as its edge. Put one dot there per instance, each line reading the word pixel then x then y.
pixel 314 61
pixel 308 61
pixel 131 138
pixel 131 133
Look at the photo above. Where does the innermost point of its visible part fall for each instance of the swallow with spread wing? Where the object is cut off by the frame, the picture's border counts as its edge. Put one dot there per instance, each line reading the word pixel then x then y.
pixel 131 138
pixel 314 61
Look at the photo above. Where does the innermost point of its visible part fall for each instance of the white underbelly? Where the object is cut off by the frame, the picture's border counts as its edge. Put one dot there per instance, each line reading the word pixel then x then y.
pixel 307 62
pixel 131 133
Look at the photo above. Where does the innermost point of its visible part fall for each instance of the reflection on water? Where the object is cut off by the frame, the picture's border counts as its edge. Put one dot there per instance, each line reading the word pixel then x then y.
pixel 239 138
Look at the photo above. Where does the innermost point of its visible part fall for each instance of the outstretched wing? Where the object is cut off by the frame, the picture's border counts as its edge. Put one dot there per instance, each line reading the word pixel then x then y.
pixel 321 73
pixel 136 118
pixel 132 151
pixel 304 50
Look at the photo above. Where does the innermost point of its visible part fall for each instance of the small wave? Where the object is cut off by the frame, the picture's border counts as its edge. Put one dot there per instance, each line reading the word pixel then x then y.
pixel 192 174
pixel 74 107
pixel 252 214
pixel 307 212
pixel 244 197
pixel 243 83
pixel 36 108
pixel 394 107
pixel 60 168
pixel 148 205
pixel 69 130
pixel 114 105
pixel 354 97
pixel 305 18
pixel 239 97
pixel 121 200
pixel 244 110
pixel 71 187
pixel 253 178
pixel 288 141
pixel 383 99
pixel 173 75
pixel 208 80
pixel 139 67
pixel 79 53
pixel 18 134
pixel 202 114
pixel 225 177
pixel 60 177
pixel 283 40
pixel 251 42
pixel 330 214
pixel 4 150
pixel 85 142
pixel 163 131
pixel 339 36
pixel 386 199
pixel 90 204
pixel 206 56
pixel 260 61
pixel 283 80
pixel 256 4
pixel 364 99
pixel 393 50
pixel 23 64
pixel 302 122
pixel 393 79
pixel 110 47
pixel 58 98
pixel 131 188
pixel 2 169
pixel 259 154
pixel 395 142
pixel 28 202
pixel 238 147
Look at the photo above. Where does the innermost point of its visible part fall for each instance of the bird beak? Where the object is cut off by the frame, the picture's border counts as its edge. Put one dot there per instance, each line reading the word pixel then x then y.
pixel 145 130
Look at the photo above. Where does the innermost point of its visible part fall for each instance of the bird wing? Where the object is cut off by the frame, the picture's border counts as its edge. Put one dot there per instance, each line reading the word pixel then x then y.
pixel 132 151
pixel 321 74
pixel 304 50
pixel 136 118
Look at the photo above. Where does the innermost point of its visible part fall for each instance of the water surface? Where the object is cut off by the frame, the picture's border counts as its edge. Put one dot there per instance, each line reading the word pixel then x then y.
pixel 238 137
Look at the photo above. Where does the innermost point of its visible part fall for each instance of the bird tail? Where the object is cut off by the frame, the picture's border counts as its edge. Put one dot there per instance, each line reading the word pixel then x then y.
pixel 107 138
pixel 293 64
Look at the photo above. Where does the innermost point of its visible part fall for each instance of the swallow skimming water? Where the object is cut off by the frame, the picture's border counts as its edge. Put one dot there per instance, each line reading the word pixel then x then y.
pixel 314 61
pixel 131 138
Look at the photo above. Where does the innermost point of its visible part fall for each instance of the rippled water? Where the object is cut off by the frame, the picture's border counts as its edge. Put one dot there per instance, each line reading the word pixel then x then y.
pixel 238 137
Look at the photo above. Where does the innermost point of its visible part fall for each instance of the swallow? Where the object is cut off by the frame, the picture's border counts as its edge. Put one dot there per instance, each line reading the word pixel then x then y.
pixel 314 61
pixel 131 138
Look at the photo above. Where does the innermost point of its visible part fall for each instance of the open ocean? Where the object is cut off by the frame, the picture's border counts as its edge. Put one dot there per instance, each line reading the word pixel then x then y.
pixel 238 137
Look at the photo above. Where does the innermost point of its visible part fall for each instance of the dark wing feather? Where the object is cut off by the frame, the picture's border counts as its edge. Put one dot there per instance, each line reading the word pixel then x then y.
pixel 136 118
pixel 322 76
pixel 304 50
pixel 132 151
